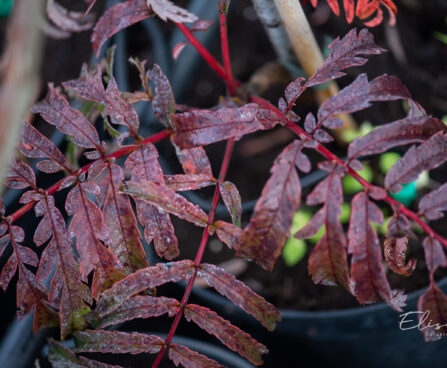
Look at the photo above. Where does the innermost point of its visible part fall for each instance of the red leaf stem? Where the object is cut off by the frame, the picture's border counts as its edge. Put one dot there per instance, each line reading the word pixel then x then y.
pixel 399 207
pixel 211 61
pixel 200 252
pixel 226 52
pixel 118 153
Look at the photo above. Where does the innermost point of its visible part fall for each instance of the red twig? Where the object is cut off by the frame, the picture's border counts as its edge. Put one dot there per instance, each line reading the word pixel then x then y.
pixel 368 186
pixel 330 156
pixel 199 256
pixel 118 153
pixel 226 74
pixel 226 50
pixel 211 61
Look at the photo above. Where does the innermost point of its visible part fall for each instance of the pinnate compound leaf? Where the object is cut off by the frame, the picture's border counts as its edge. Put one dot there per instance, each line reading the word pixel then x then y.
pixel 31 294
pixel 177 49
pixel 345 53
pixel 179 183
pixel 398 226
pixel 360 93
pixel 87 225
pixel 427 156
pixel 34 144
pixel 91 341
pixel 116 18
pixel 194 161
pixel 120 111
pixel 144 164
pixel 398 133
pixel 228 233
pixel 240 294
pixel 119 218
pixel 166 200
pixel 269 227
pixel 44 317
pixel 432 307
pixel 434 203
pixel 62 357
pixel 157 223
pixel 201 25
pixel 67 20
pixel 322 136
pixel 434 255
pixel 292 93
pixel 188 358
pixel 230 335
pixel 20 176
pixel 75 294
pixel 140 307
pixel 232 200
pixel 165 9
pixel 201 127
pixel 56 110
pixel 163 104
pixel 368 278
pixel 328 261
pixel 141 280
pixel 88 85
pixel 303 163
pixel 395 249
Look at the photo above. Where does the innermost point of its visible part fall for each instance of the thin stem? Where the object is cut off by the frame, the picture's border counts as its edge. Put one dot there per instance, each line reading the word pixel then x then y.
pixel 211 61
pixel 226 49
pixel 308 52
pixel 226 74
pixel 200 252
pixel 118 153
pixel 330 156
pixel 366 185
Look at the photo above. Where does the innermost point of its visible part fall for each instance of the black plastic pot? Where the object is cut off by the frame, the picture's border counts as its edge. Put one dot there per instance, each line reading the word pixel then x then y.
pixel 367 336
pixel 221 355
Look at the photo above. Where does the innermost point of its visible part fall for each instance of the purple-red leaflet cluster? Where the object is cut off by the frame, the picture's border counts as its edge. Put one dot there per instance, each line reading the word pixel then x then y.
pixel 104 225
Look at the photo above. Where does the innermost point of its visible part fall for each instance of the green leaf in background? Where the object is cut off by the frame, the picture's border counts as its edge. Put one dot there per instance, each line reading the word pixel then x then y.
pixel 349 135
pixel 351 186
pixel 294 251
pixel 383 228
pixel 387 160
pixel 345 213
pixel 441 37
